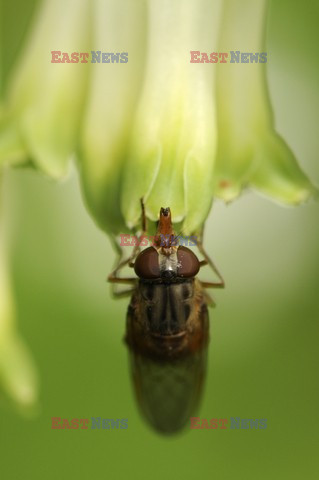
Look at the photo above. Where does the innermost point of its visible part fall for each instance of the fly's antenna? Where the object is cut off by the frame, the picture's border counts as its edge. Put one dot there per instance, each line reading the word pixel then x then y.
pixel 143 215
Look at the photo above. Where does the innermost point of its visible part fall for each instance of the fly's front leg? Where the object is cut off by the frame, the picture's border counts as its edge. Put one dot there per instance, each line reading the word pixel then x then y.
pixel 115 280
pixel 113 276
pixel 208 261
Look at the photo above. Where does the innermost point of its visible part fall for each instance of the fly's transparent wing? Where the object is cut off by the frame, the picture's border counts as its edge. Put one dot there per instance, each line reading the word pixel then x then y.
pixel 168 392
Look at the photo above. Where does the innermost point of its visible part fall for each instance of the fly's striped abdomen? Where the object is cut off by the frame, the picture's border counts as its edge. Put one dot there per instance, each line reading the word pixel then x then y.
pixel 168 351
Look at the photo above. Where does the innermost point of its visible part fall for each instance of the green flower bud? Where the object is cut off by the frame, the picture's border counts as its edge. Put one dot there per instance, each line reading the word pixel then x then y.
pixel 173 147
pixel 250 152
pixel 111 103
pixel 18 374
pixel 44 101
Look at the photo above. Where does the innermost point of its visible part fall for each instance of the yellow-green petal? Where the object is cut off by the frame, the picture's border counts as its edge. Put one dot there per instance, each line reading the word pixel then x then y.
pixel 45 99
pixel 18 374
pixel 173 143
pixel 113 92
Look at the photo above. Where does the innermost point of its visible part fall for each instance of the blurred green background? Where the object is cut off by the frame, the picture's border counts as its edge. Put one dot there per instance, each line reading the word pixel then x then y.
pixel 263 355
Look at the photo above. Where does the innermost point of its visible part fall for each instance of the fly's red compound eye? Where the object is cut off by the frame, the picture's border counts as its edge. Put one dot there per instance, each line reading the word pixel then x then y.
pixel 188 264
pixel 146 264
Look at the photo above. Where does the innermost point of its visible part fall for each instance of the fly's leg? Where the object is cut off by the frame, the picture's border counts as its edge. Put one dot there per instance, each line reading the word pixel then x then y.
pixel 122 293
pixel 208 261
pixel 113 276
pixel 209 299
pixel 115 280
pixel 213 284
pixel 130 260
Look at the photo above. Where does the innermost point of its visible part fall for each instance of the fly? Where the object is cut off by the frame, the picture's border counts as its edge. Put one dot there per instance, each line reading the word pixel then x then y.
pixel 167 328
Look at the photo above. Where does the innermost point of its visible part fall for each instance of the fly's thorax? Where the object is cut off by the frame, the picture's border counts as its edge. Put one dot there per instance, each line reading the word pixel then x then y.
pixel 166 307
pixel 167 319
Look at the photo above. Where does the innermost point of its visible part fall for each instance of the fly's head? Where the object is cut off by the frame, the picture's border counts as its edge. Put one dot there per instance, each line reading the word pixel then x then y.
pixel 166 260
